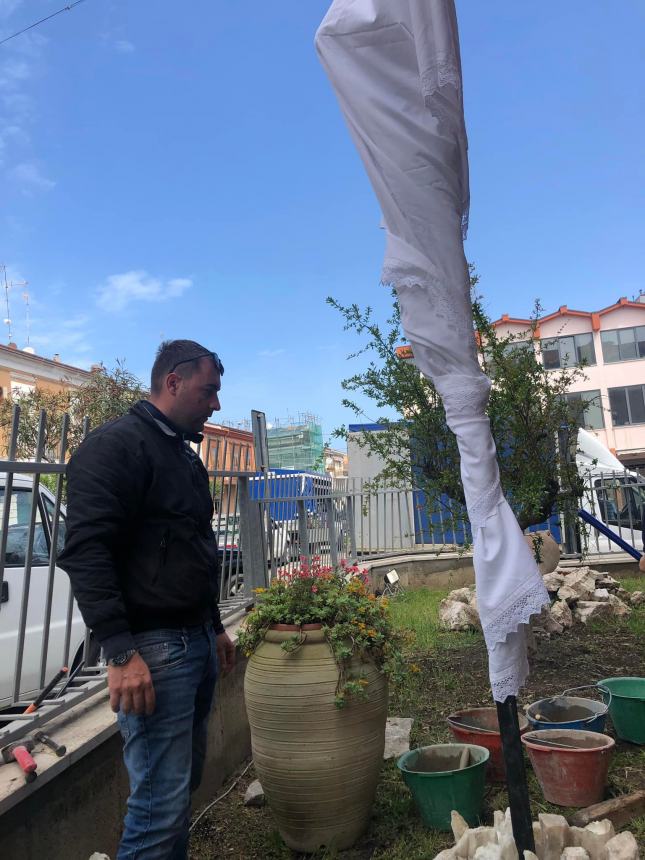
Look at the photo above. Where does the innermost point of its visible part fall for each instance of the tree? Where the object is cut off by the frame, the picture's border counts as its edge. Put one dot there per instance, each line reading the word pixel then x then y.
pixel 106 394
pixel 531 421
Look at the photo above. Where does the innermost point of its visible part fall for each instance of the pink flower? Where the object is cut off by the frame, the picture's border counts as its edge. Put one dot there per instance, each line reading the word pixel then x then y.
pixel 314 588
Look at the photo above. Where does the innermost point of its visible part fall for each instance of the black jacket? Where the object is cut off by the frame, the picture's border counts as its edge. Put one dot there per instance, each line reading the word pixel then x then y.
pixel 140 549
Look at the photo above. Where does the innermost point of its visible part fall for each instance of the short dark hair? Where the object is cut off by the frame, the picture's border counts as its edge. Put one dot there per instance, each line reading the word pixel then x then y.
pixel 174 352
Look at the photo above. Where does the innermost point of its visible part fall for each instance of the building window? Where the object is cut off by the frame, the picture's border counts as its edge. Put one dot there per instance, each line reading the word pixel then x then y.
pixel 560 352
pixel 591 418
pixel 623 344
pixel 627 405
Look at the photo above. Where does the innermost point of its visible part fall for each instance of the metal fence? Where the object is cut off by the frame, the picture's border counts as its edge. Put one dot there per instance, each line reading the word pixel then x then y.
pixel 41 628
pixel 617 499
pixel 265 523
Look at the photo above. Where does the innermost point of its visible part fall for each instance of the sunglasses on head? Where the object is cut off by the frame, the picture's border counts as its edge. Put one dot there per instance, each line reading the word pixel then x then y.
pixel 213 355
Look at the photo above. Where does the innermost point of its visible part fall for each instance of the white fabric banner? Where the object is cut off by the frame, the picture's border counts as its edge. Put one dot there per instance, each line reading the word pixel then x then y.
pixel 395 67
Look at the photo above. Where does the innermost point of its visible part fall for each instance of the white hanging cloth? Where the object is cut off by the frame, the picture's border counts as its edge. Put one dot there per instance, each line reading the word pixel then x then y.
pixel 395 67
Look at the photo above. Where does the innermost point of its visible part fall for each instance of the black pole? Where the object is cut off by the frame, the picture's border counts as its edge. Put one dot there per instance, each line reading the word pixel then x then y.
pixel 518 790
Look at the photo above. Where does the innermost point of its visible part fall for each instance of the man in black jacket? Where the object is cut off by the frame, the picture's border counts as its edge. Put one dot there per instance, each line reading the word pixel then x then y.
pixel 142 558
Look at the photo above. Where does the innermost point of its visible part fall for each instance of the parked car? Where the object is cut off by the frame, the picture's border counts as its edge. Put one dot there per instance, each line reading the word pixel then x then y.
pixel 12 591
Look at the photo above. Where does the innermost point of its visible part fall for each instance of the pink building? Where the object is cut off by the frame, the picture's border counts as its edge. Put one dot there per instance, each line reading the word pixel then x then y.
pixel 612 342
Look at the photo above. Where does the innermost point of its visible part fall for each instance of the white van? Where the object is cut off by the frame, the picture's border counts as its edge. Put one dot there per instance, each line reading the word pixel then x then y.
pixel 613 494
pixel 12 589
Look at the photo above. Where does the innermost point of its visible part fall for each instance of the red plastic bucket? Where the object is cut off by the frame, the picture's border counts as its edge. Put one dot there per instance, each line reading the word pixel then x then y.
pixel 479 726
pixel 575 776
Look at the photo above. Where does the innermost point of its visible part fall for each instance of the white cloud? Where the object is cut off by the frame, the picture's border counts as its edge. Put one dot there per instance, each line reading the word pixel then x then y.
pixel 8 6
pixel 118 291
pixel 123 46
pixel 271 353
pixel 29 177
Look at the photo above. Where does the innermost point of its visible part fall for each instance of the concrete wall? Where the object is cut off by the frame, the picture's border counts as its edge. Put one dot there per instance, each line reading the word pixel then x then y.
pixel 81 810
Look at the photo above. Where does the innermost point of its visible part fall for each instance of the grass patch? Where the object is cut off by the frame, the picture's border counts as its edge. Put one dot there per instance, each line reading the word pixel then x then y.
pixel 418 611
pixel 452 673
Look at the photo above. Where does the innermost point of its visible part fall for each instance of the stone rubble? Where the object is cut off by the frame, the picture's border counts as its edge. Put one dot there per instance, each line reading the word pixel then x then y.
pixel 554 840
pixel 254 794
pixel 579 595
pixel 397 736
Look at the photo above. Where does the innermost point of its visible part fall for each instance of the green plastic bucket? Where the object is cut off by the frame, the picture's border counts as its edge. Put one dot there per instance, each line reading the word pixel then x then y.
pixel 627 708
pixel 439 785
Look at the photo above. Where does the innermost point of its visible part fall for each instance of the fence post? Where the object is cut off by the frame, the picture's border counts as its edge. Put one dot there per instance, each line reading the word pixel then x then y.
pixel 331 527
pixel 303 531
pixel 351 524
pixel 253 540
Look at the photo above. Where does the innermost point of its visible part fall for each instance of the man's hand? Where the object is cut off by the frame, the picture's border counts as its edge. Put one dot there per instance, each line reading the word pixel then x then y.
pixel 131 687
pixel 225 653
pixel 641 564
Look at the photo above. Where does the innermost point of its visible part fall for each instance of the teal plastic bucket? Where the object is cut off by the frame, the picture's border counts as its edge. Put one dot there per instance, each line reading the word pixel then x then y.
pixel 627 708
pixel 439 785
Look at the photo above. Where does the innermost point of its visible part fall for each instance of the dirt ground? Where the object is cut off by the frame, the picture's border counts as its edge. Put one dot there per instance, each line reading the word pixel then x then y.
pixel 450 678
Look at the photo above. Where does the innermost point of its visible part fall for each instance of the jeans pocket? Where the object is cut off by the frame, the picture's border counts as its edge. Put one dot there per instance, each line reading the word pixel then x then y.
pixel 161 653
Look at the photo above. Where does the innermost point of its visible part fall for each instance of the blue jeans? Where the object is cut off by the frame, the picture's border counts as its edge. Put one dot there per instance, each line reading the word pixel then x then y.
pixel 164 753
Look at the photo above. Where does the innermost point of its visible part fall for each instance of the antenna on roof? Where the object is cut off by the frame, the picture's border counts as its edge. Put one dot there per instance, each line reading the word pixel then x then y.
pixel 7 286
pixel 25 296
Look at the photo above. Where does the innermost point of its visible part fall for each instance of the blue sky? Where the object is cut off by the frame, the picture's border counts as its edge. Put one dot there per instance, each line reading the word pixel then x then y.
pixel 182 170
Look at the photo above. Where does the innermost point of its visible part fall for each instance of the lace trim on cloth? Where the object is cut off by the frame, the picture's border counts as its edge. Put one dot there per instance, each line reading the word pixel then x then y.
pixel 467 393
pixel 515 612
pixel 443 71
pixel 443 299
pixel 509 683
pixel 481 508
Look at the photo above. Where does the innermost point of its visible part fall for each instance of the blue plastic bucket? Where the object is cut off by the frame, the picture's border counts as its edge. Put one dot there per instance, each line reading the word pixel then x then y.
pixel 570 712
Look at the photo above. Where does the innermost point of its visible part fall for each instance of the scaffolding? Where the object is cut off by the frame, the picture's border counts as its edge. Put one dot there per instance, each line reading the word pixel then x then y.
pixel 297 445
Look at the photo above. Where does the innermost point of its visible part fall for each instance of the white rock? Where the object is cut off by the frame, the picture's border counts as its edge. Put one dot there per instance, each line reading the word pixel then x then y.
pixel 622 847
pixel 553 581
pixel 98 856
pixel 508 847
pixel 603 829
pixel 607 581
pixel 461 595
pixel 561 613
pixel 637 598
pixel 585 610
pixel 461 847
pixel 458 824
pixel 448 854
pixel 601 594
pixel 581 582
pixel 458 616
pixel 488 852
pixel 618 608
pixel 574 854
pixel 555 835
pixel 546 622
pixel 529 855
pixel 397 737
pixel 593 838
pixel 478 836
pixel 538 839
pixel 254 794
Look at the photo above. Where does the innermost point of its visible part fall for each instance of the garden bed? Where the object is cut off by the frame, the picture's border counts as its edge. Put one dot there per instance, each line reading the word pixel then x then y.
pixel 452 674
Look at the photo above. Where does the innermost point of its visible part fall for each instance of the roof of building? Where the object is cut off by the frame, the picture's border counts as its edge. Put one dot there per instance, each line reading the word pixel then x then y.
pixel 564 311
pixel 12 350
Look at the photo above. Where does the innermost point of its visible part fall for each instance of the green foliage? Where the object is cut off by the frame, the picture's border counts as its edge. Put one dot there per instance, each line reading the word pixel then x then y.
pixel 355 622
pixel 531 421
pixel 105 395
